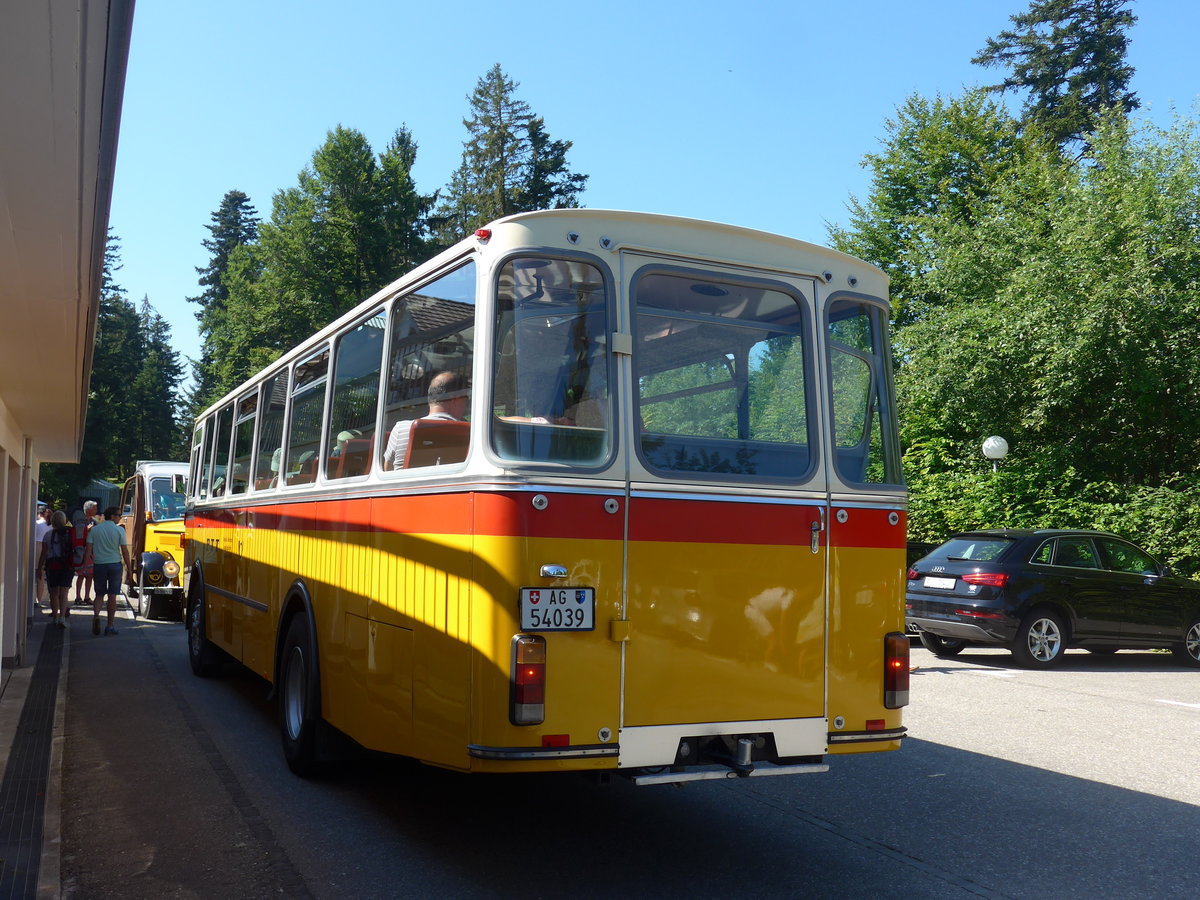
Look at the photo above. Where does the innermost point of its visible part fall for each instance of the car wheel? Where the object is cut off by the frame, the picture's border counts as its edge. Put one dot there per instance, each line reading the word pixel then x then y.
pixel 1040 641
pixel 1188 653
pixel 299 697
pixel 203 654
pixel 941 646
pixel 143 601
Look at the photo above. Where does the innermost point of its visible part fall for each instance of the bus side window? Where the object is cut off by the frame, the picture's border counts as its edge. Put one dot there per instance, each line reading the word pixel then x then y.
pixel 358 359
pixel 431 331
pixel 270 433
pixel 309 379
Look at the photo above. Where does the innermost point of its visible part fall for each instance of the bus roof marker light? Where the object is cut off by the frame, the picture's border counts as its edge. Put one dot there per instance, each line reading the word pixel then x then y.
pixel 483 233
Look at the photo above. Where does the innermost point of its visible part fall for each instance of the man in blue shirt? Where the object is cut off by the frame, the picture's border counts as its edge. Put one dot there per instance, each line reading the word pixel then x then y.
pixel 106 550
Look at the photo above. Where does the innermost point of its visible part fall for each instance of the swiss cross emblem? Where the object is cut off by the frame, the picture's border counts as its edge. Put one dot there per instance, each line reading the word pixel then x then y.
pixel 535 596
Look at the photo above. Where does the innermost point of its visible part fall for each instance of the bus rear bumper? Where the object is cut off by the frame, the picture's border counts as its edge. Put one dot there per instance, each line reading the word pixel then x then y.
pixel 713 773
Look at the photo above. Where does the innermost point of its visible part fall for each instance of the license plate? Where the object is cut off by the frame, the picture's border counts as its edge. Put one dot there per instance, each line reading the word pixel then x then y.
pixel 945 584
pixel 558 609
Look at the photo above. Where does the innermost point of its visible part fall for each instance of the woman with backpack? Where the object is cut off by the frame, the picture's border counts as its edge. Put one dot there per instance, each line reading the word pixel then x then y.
pixel 55 561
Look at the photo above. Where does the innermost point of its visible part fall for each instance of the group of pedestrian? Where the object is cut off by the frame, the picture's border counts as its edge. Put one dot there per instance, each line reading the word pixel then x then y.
pixel 92 550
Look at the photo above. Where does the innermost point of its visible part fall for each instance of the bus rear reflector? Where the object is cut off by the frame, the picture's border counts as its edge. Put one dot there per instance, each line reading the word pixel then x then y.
pixel 527 692
pixel 895 670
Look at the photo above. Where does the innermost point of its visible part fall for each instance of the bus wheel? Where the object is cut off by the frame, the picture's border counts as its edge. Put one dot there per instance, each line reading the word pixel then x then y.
pixel 299 697
pixel 202 653
pixel 941 646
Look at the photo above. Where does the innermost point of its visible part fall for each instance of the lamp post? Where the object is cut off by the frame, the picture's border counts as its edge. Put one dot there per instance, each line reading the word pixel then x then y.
pixel 995 448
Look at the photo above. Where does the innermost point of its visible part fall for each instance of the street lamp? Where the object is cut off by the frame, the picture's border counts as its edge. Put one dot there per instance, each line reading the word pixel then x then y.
pixel 995 448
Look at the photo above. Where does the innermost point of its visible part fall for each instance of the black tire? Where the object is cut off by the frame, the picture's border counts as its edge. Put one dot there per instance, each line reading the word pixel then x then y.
pixel 1188 653
pixel 203 654
pixel 941 646
pixel 1041 640
pixel 299 697
pixel 144 602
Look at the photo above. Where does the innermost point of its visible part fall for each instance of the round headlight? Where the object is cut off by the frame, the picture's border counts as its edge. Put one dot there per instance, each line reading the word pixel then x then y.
pixel 171 568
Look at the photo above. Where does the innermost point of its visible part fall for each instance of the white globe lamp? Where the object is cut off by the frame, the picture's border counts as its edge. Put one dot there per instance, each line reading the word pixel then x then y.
pixel 995 448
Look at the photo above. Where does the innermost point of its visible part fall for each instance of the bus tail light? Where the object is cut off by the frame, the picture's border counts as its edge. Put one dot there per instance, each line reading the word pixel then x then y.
pixel 895 670
pixel 527 692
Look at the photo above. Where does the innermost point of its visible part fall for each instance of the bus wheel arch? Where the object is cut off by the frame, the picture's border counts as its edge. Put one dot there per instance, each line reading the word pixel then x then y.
pixel 203 655
pixel 298 683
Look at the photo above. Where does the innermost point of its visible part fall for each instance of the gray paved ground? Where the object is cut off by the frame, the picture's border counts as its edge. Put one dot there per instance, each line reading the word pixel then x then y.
pixel 149 808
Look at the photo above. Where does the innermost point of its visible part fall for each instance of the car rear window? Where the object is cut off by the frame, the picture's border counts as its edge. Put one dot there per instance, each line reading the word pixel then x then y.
pixel 982 549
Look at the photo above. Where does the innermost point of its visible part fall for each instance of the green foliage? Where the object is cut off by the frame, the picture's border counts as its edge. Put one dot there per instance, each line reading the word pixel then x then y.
pixel 234 225
pixel 353 223
pixel 509 163
pixel 1070 56
pixel 941 162
pixel 133 403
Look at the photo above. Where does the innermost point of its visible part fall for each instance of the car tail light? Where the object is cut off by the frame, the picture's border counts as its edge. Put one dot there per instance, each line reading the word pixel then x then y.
pixel 991 579
pixel 980 613
pixel 895 670
pixel 913 575
pixel 527 692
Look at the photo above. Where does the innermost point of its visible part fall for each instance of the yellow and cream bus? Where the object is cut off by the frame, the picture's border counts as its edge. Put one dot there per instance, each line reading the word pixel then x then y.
pixel 663 535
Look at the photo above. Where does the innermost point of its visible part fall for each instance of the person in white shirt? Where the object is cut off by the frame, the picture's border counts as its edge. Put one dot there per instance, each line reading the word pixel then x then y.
pixel 449 399
pixel 41 524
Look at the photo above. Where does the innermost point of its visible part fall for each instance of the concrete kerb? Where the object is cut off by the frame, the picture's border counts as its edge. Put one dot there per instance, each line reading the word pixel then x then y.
pixel 50 869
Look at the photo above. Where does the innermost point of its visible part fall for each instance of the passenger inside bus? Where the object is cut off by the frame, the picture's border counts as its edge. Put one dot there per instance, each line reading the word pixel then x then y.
pixel 449 399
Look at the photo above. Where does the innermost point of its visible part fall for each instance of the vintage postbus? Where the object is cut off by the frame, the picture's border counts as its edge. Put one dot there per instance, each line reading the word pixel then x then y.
pixel 589 491
pixel 152 506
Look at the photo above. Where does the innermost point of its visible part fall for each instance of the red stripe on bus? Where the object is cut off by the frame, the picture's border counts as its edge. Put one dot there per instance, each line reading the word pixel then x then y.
pixel 868 528
pixel 704 522
pixel 575 516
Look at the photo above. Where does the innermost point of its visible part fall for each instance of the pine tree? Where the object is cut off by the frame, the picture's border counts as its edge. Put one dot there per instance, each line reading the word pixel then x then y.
pixel 509 163
pixel 234 225
pixel 161 430
pixel 1070 56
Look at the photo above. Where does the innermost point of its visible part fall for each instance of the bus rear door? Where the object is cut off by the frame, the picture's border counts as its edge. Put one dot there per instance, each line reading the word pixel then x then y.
pixel 728 514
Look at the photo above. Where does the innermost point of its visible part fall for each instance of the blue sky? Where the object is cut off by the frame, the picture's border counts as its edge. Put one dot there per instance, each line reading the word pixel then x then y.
pixel 753 113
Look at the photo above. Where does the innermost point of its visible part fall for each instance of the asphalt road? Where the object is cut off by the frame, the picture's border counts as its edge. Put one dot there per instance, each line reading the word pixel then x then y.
pixel 1075 783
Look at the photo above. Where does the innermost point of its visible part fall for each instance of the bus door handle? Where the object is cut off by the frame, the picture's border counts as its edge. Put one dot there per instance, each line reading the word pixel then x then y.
pixel 818 526
pixel 553 571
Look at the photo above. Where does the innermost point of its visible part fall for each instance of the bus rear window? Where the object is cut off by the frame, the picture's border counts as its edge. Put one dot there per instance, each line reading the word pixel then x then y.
pixel 723 378
pixel 550 401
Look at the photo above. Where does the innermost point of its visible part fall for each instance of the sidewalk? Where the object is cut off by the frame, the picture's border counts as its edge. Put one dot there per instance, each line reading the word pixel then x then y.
pixel 112 786
pixel 32 701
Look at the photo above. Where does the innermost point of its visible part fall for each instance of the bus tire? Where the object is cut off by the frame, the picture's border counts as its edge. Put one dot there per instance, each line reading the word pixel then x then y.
pixel 203 654
pixel 299 697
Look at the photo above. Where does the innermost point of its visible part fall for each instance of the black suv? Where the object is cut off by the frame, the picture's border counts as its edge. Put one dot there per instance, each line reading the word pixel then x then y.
pixel 1040 592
